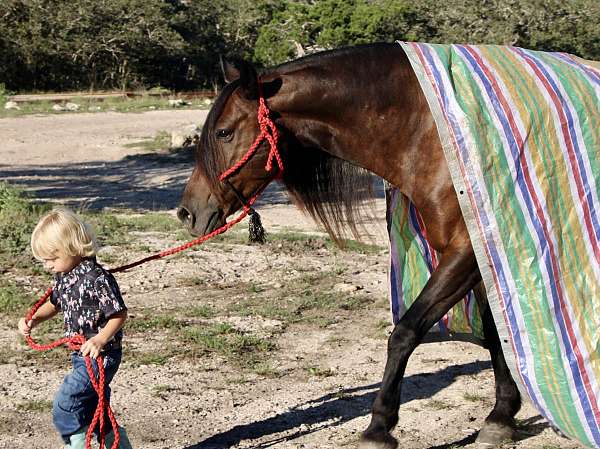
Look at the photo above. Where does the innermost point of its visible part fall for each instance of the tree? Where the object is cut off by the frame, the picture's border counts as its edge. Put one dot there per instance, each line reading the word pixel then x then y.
pixel 551 25
pixel 330 24
pixel 89 44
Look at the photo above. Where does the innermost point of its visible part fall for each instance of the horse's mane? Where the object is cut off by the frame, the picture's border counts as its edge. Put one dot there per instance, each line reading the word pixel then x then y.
pixel 331 190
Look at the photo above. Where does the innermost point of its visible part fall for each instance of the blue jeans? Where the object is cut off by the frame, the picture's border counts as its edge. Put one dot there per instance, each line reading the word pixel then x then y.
pixel 75 403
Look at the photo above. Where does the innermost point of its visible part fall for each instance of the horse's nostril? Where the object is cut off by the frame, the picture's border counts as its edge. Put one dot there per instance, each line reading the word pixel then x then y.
pixel 185 216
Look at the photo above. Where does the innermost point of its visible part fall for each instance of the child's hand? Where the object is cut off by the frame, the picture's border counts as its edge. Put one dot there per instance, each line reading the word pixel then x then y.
pixel 25 326
pixel 92 347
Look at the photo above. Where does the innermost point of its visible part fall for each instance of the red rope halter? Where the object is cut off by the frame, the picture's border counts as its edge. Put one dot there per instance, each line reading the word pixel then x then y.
pixel 268 131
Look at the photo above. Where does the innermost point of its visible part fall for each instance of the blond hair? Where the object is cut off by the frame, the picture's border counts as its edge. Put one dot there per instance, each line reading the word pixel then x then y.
pixel 61 230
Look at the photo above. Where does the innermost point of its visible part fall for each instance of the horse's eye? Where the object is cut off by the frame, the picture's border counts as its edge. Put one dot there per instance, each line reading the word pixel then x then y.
pixel 224 133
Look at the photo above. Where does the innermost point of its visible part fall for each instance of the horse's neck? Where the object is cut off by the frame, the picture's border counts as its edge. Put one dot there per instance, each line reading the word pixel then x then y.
pixel 369 112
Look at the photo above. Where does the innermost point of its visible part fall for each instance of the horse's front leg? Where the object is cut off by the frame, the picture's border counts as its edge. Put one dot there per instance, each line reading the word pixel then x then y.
pixel 454 277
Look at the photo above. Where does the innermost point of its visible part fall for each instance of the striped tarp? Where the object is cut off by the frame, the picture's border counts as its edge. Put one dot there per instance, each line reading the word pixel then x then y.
pixel 412 260
pixel 521 134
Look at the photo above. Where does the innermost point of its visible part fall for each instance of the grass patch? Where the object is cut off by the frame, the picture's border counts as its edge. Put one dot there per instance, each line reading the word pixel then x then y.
pixel 438 405
pixel 58 358
pixel 474 397
pixel 162 391
pixel 161 141
pixel 156 357
pixel 381 329
pixel 223 339
pixel 3 94
pixel 318 371
pixel 290 241
pixel 149 222
pixel 265 369
pixel 141 103
pixel 113 229
pixel 308 298
pixel 230 238
pixel 324 322
pixel 40 405
pixel 18 217
pixel 14 301
pixel 201 311
pixel 192 281
pixel 151 323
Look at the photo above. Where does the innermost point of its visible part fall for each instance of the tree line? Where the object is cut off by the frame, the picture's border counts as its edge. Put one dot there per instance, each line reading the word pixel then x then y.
pixel 127 44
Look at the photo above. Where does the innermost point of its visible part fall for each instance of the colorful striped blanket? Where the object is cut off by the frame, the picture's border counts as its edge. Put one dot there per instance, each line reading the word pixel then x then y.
pixel 521 134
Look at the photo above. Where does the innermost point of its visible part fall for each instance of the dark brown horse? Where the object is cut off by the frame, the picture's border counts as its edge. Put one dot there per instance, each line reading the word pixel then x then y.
pixel 339 113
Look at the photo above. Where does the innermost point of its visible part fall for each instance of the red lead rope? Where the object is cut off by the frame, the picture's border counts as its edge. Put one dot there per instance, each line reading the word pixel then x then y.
pixel 268 131
pixel 74 343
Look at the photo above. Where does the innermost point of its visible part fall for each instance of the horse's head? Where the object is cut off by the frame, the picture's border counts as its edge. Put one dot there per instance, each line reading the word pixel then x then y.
pixel 231 128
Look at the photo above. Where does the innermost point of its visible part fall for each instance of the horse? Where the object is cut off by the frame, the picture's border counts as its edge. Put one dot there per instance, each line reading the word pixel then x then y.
pixel 336 114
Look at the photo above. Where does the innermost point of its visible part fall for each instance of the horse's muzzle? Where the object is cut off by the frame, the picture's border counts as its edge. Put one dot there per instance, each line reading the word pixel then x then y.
pixel 199 224
pixel 186 217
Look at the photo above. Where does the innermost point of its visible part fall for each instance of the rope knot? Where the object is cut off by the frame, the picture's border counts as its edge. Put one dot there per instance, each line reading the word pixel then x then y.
pixel 268 131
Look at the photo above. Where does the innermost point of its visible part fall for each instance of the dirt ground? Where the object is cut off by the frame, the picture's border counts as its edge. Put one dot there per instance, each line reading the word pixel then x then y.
pixel 318 381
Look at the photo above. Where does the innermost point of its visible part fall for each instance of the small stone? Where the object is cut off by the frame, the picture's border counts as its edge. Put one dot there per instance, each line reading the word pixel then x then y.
pixel 11 105
pixel 177 103
pixel 343 287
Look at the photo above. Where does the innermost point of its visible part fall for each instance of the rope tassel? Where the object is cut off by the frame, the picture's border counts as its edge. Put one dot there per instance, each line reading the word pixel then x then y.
pixel 256 232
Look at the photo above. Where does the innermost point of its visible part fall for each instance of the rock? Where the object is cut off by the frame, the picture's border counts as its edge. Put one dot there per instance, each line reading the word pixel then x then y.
pixel 186 136
pixel 72 107
pixel 207 102
pixel 11 105
pixel 58 107
pixel 343 287
pixel 177 103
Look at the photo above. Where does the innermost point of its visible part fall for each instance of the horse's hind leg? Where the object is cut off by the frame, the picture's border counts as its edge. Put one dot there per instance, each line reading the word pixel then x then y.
pixel 454 277
pixel 500 425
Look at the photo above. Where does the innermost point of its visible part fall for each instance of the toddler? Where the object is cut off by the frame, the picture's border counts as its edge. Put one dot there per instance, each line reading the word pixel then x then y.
pixel 89 298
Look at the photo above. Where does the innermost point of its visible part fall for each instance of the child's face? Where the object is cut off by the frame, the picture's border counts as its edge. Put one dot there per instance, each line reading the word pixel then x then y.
pixel 61 263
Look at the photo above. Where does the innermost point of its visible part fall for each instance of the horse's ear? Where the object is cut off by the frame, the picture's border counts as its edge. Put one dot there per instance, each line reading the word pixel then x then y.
pixel 230 71
pixel 271 87
pixel 248 80
pixel 245 72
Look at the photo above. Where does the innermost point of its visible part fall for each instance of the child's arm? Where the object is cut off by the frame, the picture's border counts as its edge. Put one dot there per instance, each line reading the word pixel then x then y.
pixel 45 312
pixel 95 344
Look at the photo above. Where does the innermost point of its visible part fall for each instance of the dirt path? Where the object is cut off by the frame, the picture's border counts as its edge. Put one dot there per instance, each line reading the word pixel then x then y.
pixel 309 365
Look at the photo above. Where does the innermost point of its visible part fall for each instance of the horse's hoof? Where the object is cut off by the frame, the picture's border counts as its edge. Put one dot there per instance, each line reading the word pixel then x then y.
pixel 494 434
pixel 377 441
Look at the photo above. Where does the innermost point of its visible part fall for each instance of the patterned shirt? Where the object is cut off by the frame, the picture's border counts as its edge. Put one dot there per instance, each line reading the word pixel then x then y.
pixel 88 296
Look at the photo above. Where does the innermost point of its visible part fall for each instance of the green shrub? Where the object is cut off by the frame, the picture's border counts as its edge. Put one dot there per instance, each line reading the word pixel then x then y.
pixel 3 94
pixel 13 299
pixel 18 217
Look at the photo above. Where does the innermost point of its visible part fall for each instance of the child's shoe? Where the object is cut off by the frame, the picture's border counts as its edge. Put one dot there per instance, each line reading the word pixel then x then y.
pixel 77 440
